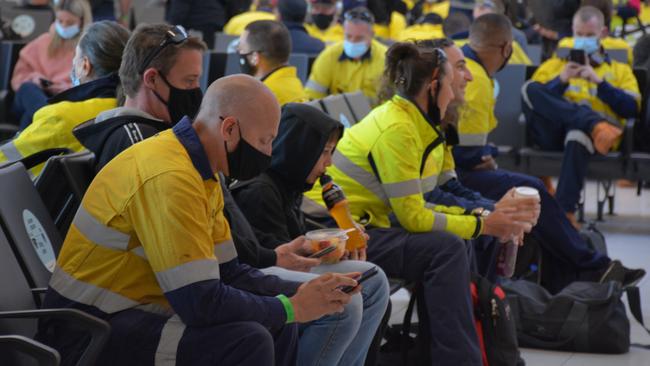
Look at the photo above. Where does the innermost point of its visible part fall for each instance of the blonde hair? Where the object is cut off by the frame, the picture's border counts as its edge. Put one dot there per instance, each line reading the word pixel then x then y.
pixel 79 8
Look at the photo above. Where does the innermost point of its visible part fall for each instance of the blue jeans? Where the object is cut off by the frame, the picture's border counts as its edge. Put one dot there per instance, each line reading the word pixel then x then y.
pixel 341 339
pixel 29 98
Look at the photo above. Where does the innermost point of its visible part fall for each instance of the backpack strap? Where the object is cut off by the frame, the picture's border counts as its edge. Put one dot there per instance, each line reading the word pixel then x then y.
pixel 634 302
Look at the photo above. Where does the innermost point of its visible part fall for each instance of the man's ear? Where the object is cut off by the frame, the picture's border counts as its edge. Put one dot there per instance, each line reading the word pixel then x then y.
pixel 149 78
pixel 228 127
pixel 604 33
pixel 86 66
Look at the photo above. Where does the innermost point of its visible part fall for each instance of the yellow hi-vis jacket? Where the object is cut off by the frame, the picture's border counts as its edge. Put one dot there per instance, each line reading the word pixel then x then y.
pixel 149 224
pixel 286 86
pixel 238 23
pixel 393 29
pixel 441 8
pixel 330 35
pixel 334 73
pixel 52 125
pixel 580 91
pixel 419 32
pixel 387 162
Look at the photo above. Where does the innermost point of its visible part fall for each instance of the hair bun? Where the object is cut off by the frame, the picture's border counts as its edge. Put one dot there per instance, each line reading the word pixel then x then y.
pixel 400 51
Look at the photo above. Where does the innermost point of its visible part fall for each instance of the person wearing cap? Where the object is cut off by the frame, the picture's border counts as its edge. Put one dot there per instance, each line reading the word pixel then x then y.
pixel 264 50
pixel 292 13
pixel 260 10
pixel 356 64
pixel 324 23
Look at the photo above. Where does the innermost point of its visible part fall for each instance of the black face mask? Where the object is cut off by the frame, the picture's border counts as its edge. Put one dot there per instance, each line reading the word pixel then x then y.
pixel 433 110
pixel 245 65
pixel 505 62
pixel 182 102
pixel 322 21
pixel 245 162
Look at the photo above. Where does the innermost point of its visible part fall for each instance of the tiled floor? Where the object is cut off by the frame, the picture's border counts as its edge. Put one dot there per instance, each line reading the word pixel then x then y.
pixel 628 239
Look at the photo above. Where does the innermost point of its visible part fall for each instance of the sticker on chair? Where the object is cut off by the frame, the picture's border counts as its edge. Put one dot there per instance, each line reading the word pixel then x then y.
pixel 39 239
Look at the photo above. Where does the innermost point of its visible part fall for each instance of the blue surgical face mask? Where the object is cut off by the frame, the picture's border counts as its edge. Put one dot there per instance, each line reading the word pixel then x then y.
pixel 73 75
pixel 588 44
pixel 355 50
pixel 66 32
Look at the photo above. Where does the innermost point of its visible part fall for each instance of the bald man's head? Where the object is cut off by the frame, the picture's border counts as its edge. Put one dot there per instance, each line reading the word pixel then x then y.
pixel 490 30
pixel 234 108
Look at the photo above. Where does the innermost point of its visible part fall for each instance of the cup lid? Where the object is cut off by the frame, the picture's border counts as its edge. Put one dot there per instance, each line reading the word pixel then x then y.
pixel 324 234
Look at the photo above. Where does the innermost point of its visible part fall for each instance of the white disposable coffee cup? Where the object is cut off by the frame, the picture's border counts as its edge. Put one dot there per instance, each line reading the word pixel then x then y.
pixel 526 192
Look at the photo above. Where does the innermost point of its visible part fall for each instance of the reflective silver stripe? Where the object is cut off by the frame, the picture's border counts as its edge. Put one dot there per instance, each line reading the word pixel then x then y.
pixel 225 251
pixel 85 293
pixel 429 183
pixel 524 94
pixel 446 176
pixel 573 88
pixel 311 84
pixel 139 251
pixel 439 221
pixel 367 180
pixel 188 273
pixel 99 233
pixel 170 337
pixel 156 309
pixel 10 151
pixel 313 209
pixel 632 94
pixel 402 189
pixel 473 139
pixel 581 138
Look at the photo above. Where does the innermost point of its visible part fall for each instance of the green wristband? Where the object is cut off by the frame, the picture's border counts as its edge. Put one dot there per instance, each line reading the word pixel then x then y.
pixel 288 308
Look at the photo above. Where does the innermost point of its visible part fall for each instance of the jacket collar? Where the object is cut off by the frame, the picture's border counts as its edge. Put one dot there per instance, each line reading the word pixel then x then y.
pixel 104 87
pixel 417 113
pixel 470 54
pixel 276 70
pixel 190 140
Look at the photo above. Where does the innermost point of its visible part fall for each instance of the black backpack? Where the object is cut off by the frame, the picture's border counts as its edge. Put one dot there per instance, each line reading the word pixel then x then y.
pixel 583 317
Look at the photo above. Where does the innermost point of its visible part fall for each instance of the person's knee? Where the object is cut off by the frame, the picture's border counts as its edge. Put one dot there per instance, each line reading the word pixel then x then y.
pixel 256 336
pixel 531 91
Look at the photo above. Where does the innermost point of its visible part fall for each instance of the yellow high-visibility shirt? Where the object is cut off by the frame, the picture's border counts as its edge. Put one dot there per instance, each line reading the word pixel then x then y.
pixel 421 32
pixel 286 86
pixel 393 29
pixel 238 23
pixel 334 73
pixel 407 153
pixel 330 35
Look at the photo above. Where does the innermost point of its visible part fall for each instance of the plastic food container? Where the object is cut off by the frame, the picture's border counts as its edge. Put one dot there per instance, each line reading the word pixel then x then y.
pixel 321 239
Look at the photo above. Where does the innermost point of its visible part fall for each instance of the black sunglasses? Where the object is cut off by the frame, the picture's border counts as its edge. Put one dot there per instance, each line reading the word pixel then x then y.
pixel 362 15
pixel 175 35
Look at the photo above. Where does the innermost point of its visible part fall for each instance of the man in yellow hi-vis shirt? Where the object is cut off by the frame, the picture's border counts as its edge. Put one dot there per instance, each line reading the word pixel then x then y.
pixel 264 50
pixel 150 250
pixel 353 65
pixel 580 108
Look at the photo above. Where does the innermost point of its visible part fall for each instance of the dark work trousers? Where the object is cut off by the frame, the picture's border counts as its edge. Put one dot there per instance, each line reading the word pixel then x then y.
pixel 143 338
pixel 569 257
pixel 28 99
pixel 439 261
pixel 550 119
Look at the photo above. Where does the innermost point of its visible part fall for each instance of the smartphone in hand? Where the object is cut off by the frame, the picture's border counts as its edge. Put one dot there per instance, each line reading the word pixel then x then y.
pixel 364 276
pixel 578 56
pixel 323 252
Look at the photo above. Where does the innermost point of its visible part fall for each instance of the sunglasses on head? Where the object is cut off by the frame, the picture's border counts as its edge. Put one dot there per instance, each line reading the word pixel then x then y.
pixel 362 15
pixel 175 35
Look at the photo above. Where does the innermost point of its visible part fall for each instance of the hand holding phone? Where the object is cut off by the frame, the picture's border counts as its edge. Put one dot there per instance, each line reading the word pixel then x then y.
pixel 578 56
pixel 323 252
pixel 364 276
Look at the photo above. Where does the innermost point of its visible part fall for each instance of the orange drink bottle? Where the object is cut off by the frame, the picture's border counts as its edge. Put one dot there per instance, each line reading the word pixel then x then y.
pixel 338 207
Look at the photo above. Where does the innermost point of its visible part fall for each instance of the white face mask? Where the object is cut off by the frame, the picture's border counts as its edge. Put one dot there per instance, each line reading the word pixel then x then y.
pixel 66 32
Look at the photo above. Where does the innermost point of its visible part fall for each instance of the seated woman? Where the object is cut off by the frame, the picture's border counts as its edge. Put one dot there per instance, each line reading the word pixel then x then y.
pixel 43 67
pixel 271 203
pixel 94 68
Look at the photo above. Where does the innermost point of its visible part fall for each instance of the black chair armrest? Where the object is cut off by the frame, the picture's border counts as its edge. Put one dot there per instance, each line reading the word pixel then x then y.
pixel 99 329
pixel 44 355
pixel 628 138
pixel 39 290
pixel 42 156
pixel 4 108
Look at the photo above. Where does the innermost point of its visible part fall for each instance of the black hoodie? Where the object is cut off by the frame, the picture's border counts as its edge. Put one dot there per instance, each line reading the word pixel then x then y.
pixel 271 202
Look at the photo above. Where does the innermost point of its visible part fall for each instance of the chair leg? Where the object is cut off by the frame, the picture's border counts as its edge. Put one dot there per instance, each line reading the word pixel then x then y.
pixel 581 207
pixel 600 201
pixel 610 199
